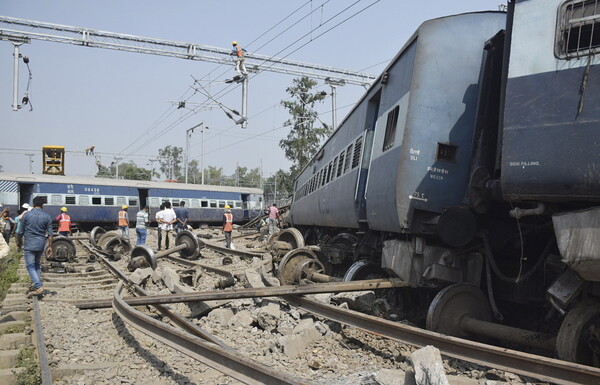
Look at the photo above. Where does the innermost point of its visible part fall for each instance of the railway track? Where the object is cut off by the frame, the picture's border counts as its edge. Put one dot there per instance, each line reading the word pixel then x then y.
pixel 188 338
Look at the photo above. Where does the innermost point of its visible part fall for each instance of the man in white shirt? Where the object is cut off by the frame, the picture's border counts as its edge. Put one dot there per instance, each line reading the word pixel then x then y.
pixel 159 219
pixel 166 224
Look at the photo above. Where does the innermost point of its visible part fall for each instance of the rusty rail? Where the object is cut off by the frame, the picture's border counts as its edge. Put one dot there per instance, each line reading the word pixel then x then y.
pixel 275 291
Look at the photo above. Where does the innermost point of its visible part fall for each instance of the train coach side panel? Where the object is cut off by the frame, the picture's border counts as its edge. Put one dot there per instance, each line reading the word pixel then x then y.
pixel 432 145
pixel 551 131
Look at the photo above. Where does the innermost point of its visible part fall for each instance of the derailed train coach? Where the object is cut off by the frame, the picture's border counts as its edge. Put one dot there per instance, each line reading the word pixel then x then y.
pixel 471 169
pixel 97 201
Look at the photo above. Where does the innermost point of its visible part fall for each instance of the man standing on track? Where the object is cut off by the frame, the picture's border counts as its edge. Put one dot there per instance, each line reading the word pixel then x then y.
pixel 37 227
pixel 159 220
pixel 168 218
pixel 141 226
pixel 183 215
pixel 227 225
pixel 64 222
pixel 124 222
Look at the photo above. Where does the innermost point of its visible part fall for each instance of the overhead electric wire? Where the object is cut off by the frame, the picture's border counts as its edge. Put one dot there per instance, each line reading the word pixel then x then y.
pixel 227 90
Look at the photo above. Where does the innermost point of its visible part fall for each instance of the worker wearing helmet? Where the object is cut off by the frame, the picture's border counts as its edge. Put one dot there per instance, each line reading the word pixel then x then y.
pixel 227 225
pixel 64 222
pixel 124 222
pixel 239 54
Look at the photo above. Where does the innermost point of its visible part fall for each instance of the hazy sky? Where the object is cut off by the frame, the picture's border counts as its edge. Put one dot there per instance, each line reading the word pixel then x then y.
pixel 124 103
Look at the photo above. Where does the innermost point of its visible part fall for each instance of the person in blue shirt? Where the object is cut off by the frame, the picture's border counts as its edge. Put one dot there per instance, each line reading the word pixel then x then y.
pixel 183 215
pixel 37 228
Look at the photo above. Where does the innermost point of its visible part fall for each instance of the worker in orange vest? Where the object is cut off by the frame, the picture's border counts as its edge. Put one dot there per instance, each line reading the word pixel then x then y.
pixel 239 63
pixel 227 225
pixel 124 222
pixel 64 222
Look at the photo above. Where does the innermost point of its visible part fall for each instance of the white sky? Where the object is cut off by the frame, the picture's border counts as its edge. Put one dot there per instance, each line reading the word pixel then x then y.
pixel 89 96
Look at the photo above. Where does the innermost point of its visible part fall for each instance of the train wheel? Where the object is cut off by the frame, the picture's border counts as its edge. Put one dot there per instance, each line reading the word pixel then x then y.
pixel 297 264
pixel 364 269
pixel 63 249
pixel 106 237
pixel 95 235
pixel 290 235
pixel 454 302
pixel 578 338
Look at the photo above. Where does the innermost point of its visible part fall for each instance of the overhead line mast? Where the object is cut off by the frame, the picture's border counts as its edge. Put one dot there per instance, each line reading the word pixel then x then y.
pixel 131 43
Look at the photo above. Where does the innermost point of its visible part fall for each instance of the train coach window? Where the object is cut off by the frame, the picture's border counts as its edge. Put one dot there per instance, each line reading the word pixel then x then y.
pixel 390 129
pixel 84 200
pixel 221 204
pixel 213 204
pixel 238 205
pixel 44 198
pixel 340 164
pixel 195 203
pixel 230 203
pixel 578 32
pixel 348 157
pixel 357 149
pixel 154 202
pixel 132 202
pixel 56 199
pixel 121 201
pixel 96 200
pixel 109 201
pixel 203 203
pixel 70 200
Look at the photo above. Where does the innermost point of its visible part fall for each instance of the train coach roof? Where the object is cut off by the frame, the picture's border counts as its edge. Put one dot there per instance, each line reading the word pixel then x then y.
pixel 377 81
pixel 144 184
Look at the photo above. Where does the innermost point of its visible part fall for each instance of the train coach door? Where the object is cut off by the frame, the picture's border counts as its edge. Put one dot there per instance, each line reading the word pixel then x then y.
pixel 370 123
pixel 25 193
pixel 143 197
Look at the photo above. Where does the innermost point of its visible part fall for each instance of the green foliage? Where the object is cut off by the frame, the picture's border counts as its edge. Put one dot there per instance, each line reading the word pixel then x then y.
pixel 32 374
pixel 8 271
pixel 131 171
pixel 304 138
pixel 171 160
pixel 127 170
pixel 278 186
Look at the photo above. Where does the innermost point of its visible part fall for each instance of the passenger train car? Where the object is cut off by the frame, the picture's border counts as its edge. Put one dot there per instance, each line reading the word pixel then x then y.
pixel 472 165
pixel 97 201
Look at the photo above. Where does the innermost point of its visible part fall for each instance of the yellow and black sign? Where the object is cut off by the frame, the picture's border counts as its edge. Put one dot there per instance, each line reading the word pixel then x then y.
pixel 53 160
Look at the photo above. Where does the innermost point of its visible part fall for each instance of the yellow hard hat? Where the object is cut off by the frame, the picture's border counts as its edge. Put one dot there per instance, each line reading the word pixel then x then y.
pixel 227 207
pixel 234 42
pixel 124 207
pixel 63 209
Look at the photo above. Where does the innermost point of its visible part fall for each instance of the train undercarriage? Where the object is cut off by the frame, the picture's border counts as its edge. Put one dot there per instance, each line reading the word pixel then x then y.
pixel 509 286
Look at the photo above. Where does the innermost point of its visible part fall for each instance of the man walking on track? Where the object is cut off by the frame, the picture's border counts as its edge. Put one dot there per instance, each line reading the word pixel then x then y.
pixel 37 227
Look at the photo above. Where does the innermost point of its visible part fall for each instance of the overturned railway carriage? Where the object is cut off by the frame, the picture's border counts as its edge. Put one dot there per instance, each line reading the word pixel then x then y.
pixel 97 201
pixel 470 169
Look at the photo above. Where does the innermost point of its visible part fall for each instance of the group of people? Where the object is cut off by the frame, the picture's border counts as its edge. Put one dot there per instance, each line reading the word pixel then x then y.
pixel 168 219
pixel 32 228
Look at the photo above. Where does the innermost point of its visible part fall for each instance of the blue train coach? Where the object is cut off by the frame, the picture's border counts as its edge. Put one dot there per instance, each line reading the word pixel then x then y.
pixel 97 201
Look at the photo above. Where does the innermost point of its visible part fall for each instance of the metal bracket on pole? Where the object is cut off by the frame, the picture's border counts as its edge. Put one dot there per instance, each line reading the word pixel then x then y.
pixel 244 119
pixel 333 83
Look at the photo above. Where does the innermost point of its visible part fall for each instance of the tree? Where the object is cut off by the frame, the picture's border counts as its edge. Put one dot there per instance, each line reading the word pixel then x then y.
pixel 170 159
pixel 131 171
pixel 304 138
pixel 127 170
pixel 278 186
pixel 213 175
